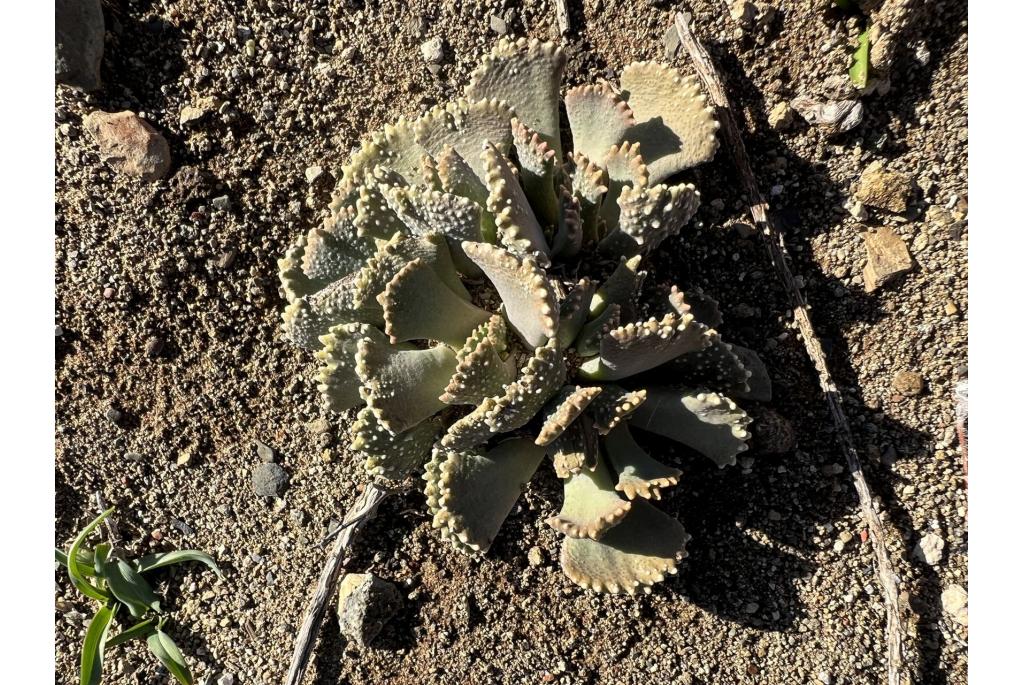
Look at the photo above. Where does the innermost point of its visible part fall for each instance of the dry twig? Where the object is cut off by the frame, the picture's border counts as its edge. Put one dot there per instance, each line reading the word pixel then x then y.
pixel 562 15
pixel 364 509
pixel 775 244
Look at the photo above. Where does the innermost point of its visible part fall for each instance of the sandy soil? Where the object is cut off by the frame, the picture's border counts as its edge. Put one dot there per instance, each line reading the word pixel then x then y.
pixel 169 311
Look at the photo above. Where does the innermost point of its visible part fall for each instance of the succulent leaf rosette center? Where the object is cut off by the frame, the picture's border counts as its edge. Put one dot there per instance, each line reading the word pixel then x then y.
pixel 438 301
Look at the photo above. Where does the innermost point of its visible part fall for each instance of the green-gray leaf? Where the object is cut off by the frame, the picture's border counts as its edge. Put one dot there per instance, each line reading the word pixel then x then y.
pixel 92 648
pixel 161 559
pixel 859 68
pixel 130 588
pixel 139 630
pixel 161 644
pixel 75 565
pixel 99 557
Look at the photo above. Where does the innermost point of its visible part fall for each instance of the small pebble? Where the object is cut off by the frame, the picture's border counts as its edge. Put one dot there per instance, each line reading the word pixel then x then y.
pixel 265 452
pixel 433 50
pixel 269 480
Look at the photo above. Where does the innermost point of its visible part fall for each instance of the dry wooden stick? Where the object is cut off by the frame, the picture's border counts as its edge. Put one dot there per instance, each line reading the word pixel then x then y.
pixel 562 15
pixel 773 240
pixel 364 509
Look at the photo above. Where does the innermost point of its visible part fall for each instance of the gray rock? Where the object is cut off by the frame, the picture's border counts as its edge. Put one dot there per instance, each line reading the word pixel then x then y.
pixel 929 549
pixel 79 43
pixel 365 604
pixel 129 144
pixel 433 50
pixel 269 480
pixel 226 679
pixel 221 203
pixel 112 414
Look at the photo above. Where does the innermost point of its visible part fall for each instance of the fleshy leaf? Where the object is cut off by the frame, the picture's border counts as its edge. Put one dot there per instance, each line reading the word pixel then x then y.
pixel 598 119
pixel 637 553
pixel 590 505
pixel 674 124
pixel 338 380
pixel 428 211
pixel 388 455
pixel 613 406
pixel 418 305
pixel 478 490
pixel 573 312
pixel 637 347
pixel 705 421
pixel 537 171
pixel 588 342
pixel 625 168
pixel 589 185
pixel 575 448
pixel 703 307
pixel 516 224
pixel 163 647
pixel 465 126
pixel 647 216
pixel 759 383
pixel 639 474
pixel 528 76
pixel 717 366
pixel 482 371
pixel 525 291
pixel 620 288
pixel 402 386
pixel 538 381
pixel 565 408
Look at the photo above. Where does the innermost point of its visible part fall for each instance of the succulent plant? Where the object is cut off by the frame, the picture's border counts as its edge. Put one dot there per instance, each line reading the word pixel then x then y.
pixel 475 295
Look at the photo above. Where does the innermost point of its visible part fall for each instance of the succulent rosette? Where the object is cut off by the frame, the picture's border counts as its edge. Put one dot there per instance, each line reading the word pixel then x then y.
pixel 475 297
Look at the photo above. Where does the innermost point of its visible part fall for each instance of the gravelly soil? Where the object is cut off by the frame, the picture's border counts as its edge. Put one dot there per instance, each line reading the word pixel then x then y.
pixel 169 310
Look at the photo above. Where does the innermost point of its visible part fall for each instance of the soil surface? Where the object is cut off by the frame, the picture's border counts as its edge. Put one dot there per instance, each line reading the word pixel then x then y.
pixel 168 311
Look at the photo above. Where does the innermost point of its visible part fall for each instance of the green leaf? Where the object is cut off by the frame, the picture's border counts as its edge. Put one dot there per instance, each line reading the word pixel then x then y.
pixel 99 557
pixel 161 559
pixel 85 557
pixel 859 68
pixel 130 588
pixel 92 648
pixel 77 570
pixel 139 630
pixel 161 644
pixel 844 5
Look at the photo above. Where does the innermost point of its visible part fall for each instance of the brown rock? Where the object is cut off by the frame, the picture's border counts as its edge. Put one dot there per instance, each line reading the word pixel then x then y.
pixel 888 258
pixel 888 190
pixel 129 144
pixel 909 383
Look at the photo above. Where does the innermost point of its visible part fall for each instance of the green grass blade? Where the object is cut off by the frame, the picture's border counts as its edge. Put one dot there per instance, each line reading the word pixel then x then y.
pixel 130 588
pixel 92 649
pixel 161 559
pixel 85 559
pixel 139 630
pixel 75 565
pixel 861 58
pixel 161 644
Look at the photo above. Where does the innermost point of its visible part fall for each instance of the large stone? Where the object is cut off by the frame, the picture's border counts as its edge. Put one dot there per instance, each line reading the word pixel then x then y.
pixel 365 604
pixel 888 190
pixel 79 31
pixel 129 144
pixel 888 258
pixel 954 603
